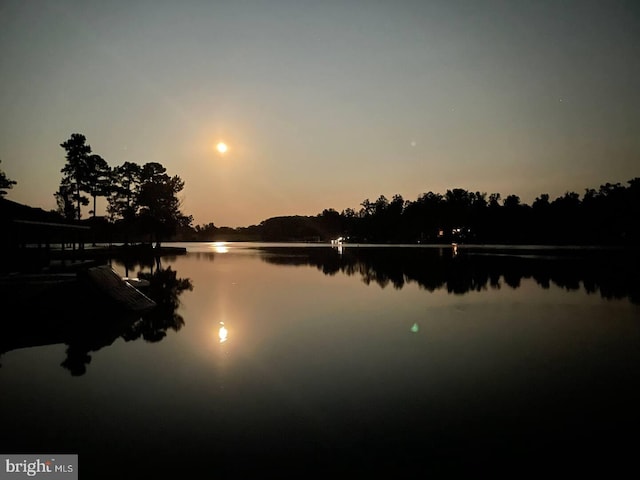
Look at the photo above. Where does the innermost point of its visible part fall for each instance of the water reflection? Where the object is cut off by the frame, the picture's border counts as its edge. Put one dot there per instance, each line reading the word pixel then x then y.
pixel 460 270
pixel 220 247
pixel 223 333
pixel 165 288
pixel 141 262
pixel 72 313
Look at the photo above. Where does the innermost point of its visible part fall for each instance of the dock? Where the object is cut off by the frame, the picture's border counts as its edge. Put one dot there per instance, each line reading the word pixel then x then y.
pixel 93 287
pixel 109 283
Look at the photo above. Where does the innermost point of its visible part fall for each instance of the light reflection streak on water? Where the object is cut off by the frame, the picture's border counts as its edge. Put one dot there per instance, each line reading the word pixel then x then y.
pixel 220 247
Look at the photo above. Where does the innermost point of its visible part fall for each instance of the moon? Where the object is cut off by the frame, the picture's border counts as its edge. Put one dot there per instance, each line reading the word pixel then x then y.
pixel 222 147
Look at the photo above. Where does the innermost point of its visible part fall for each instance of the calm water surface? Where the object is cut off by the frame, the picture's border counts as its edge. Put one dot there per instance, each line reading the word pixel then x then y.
pixel 297 360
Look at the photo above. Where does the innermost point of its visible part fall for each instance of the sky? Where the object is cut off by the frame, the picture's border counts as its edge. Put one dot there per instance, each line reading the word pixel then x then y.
pixel 323 103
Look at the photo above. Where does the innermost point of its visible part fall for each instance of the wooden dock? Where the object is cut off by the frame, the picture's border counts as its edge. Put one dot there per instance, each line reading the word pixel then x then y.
pixel 107 281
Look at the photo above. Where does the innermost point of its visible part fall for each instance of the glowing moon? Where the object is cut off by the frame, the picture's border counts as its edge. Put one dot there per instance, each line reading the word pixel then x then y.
pixel 222 147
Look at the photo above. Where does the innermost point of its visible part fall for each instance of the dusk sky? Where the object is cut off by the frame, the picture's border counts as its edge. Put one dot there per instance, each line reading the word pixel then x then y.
pixel 323 103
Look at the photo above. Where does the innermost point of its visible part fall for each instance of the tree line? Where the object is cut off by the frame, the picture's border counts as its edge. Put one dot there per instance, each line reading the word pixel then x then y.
pixel 604 216
pixel 142 202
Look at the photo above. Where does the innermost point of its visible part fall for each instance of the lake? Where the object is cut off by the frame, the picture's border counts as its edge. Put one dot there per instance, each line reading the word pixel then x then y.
pixel 274 360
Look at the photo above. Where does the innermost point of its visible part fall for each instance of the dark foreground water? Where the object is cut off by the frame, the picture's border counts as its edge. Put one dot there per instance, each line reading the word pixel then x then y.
pixel 268 361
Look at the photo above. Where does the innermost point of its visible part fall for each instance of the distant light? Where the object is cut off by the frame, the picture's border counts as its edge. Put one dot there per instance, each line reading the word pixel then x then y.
pixel 415 328
pixel 222 147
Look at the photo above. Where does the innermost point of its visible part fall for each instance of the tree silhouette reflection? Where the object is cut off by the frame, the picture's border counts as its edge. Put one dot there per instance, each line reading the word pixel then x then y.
pixel 164 288
pixel 612 273
pixel 75 314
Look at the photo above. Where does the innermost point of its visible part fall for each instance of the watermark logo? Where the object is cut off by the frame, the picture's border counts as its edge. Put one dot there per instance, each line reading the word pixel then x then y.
pixel 49 467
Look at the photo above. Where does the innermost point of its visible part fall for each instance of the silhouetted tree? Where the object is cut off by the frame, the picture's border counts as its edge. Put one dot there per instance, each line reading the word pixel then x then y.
pixel 125 185
pixel 423 217
pixel 633 210
pixel 348 212
pixel 5 183
pixel 64 201
pixel 206 230
pixel 512 201
pixel 494 200
pixel 380 207
pixel 98 179
pixel 394 221
pixel 330 224
pixel 541 202
pixel 457 207
pixel 367 208
pixel 158 202
pixel 76 170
